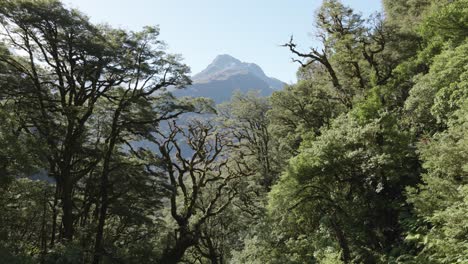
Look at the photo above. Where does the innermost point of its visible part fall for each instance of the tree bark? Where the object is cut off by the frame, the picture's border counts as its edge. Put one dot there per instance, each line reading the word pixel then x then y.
pixel 342 242
pixel 67 208
pixel 54 215
pixel 98 250
pixel 175 254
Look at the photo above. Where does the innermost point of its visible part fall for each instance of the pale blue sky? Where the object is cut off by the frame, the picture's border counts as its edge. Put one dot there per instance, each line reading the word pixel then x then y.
pixel 250 30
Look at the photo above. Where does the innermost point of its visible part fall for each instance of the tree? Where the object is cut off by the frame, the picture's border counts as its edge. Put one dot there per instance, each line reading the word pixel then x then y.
pixel 348 182
pixel 439 93
pixel 299 110
pixel 199 182
pixel 446 23
pixel 72 66
pixel 354 56
pixel 245 117
pixel 440 202
pixel 408 15
pixel 361 161
pixel 24 225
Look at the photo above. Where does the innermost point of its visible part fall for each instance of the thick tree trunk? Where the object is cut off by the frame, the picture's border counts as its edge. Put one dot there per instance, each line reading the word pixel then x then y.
pixel 175 254
pixel 67 181
pixel 67 207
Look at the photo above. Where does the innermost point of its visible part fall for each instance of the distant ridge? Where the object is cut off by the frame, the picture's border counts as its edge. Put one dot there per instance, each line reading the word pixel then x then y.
pixel 225 75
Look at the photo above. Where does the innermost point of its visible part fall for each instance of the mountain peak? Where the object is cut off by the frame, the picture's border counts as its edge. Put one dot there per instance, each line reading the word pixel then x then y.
pixel 225 66
pixel 225 75
pixel 225 59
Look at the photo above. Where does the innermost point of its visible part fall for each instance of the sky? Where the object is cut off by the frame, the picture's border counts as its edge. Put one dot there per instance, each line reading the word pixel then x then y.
pixel 250 30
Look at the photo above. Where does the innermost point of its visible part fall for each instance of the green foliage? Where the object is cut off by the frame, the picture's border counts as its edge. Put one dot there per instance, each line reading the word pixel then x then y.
pixel 24 214
pixel 408 14
pixel 350 172
pixel 274 244
pixel 439 93
pixel 325 171
pixel 7 257
pixel 371 107
pixel 447 23
pixel 442 200
pixel 299 110
pixel 65 254
pixel 19 152
pixel 245 116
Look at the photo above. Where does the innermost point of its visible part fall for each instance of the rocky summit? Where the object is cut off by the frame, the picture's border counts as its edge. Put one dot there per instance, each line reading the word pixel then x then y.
pixel 225 75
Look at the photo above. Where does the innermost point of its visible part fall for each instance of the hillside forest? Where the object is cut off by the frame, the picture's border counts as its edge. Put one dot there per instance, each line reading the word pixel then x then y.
pixel 363 160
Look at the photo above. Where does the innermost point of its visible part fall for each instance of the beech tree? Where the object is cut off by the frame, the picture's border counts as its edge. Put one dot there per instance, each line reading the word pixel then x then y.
pixel 201 180
pixel 245 116
pixel 74 67
pixel 363 160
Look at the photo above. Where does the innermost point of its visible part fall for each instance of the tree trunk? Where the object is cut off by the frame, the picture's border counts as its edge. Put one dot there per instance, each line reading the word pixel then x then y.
pixel 43 228
pixel 67 207
pixel 101 223
pixel 98 250
pixel 54 215
pixel 342 242
pixel 175 254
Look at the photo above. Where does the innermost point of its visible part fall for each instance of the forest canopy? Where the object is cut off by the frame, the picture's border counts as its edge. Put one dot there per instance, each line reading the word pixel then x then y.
pixel 362 160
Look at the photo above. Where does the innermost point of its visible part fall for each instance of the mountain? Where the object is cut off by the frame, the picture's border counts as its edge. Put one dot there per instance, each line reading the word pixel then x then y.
pixel 225 75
